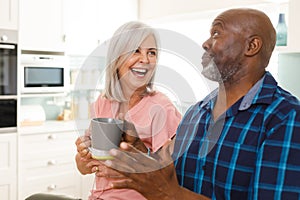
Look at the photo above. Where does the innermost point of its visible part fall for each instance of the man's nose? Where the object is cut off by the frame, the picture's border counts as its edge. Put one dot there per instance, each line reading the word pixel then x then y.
pixel 206 44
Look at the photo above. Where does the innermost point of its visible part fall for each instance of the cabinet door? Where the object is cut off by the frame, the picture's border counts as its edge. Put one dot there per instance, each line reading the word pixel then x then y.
pixel 80 25
pixel 41 25
pixel 47 164
pixel 8 168
pixel 293 26
pixel 9 14
pixel 90 23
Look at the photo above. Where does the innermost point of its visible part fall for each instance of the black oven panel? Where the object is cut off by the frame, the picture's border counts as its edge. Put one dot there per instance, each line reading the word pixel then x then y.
pixel 8 113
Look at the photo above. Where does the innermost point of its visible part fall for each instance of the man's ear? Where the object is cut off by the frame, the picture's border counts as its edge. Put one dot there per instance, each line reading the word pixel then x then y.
pixel 254 45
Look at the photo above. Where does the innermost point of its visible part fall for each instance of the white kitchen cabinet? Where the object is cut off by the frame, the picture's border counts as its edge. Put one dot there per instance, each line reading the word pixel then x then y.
pixel 41 25
pixel 8 166
pixel 9 14
pixel 154 9
pixel 47 163
pixel 293 26
pixel 90 23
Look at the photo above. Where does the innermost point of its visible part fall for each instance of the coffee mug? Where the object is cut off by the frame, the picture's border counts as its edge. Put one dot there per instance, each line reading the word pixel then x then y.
pixel 106 134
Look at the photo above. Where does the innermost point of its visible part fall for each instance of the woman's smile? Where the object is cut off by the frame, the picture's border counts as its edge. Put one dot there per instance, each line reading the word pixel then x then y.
pixel 139 72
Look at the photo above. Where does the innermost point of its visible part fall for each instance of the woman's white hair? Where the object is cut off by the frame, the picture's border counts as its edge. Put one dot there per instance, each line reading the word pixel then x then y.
pixel 122 45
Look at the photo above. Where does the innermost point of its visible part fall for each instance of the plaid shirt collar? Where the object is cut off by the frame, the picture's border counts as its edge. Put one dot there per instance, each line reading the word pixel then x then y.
pixel 257 94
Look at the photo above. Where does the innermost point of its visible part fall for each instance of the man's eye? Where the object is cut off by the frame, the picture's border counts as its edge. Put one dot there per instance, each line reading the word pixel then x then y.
pixel 215 33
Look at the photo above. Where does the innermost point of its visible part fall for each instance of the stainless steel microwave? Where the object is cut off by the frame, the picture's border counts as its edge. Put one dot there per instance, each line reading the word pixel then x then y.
pixel 44 73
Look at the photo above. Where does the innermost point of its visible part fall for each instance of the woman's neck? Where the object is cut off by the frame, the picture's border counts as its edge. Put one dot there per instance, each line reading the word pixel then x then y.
pixel 132 99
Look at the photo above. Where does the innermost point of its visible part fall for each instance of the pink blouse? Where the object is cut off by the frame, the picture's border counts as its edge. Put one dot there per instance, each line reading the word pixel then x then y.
pixel 155 119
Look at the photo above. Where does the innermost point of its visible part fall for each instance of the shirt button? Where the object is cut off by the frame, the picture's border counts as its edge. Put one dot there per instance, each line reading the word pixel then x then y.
pixel 203 167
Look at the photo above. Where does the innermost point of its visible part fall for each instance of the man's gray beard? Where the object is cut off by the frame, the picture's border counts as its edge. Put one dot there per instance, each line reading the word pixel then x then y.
pixel 211 72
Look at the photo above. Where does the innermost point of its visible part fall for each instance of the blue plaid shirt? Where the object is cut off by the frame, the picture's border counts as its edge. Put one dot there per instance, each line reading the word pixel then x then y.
pixel 250 152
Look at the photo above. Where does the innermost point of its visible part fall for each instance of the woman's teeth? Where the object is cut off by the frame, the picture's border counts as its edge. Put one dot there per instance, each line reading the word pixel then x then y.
pixel 139 72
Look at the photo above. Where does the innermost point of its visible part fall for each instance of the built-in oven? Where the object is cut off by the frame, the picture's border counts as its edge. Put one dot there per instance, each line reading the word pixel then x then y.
pixel 8 62
pixel 8 115
pixel 8 80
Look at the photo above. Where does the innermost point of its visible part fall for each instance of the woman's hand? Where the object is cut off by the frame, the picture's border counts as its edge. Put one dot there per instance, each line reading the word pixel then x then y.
pixel 87 165
pixel 83 156
pixel 82 144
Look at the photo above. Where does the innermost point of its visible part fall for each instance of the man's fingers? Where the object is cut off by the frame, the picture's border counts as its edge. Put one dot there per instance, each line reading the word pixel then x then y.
pixel 104 171
pixel 120 162
pixel 124 183
pixel 132 160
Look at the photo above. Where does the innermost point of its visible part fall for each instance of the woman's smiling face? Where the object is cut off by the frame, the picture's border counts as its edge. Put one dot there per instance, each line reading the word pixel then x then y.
pixel 139 67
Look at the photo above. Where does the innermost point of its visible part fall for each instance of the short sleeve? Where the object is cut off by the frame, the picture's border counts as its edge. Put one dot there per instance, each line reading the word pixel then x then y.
pixel 164 125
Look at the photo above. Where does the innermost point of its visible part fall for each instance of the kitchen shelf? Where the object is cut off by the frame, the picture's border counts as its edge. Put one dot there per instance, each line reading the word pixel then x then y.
pixel 38 95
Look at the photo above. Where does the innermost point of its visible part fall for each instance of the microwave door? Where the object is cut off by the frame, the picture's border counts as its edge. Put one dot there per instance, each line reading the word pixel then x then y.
pixel 43 80
pixel 44 77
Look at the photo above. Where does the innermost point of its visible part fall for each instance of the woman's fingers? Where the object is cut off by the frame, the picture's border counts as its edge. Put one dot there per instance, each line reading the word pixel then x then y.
pixel 82 144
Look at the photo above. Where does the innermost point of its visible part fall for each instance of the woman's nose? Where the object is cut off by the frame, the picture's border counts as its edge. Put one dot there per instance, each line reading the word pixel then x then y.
pixel 144 57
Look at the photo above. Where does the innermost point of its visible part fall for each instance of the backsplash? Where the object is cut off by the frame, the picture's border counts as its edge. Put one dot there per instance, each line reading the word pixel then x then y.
pixel 52 108
pixel 288 72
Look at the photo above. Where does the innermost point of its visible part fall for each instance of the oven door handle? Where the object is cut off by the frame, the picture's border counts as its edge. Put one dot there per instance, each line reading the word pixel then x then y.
pixel 7 46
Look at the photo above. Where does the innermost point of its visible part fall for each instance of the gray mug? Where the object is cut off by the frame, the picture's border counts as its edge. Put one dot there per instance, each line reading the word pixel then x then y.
pixel 106 134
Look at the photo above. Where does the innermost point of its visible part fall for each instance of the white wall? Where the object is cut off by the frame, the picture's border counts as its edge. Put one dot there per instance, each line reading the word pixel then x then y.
pixel 193 19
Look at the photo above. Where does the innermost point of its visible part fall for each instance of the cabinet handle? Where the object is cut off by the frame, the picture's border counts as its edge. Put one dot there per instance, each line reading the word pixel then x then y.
pixel 51 187
pixel 52 137
pixel 51 162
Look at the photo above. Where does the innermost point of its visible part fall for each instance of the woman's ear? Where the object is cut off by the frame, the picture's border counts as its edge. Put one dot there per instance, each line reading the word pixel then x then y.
pixel 254 45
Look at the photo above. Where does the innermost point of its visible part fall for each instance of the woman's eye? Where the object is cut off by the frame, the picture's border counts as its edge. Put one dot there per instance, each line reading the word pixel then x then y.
pixel 137 51
pixel 152 53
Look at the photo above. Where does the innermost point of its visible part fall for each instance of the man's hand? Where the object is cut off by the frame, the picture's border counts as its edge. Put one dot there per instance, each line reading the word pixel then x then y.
pixel 153 178
pixel 130 136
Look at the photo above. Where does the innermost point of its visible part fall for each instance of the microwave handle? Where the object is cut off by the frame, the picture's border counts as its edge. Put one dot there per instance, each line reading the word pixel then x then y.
pixel 42 58
pixel 7 46
pixel 45 58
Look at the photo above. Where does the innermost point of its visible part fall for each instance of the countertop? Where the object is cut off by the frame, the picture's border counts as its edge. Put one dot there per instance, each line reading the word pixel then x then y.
pixel 50 126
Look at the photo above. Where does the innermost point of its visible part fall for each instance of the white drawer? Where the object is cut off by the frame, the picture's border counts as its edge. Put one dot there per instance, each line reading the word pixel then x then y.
pixel 67 183
pixel 40 145
pixel 47 167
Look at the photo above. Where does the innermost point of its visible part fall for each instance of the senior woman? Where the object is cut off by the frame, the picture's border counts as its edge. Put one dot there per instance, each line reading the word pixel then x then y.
pixel 131 64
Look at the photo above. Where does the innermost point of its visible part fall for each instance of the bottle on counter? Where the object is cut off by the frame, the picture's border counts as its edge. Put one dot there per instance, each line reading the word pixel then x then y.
pixel 281 31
